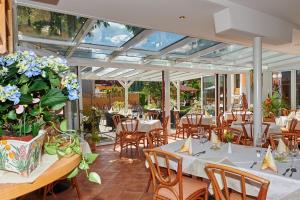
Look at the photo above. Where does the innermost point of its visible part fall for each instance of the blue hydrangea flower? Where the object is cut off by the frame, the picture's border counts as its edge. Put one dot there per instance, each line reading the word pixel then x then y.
pixel 12 93
pixel 73 95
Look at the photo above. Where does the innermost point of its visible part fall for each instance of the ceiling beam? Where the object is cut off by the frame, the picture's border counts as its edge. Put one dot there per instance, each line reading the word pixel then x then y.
pixel 26 38
pixel 131 43
pixel 85 29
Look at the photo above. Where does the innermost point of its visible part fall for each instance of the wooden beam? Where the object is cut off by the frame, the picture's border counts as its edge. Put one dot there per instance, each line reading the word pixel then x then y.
pixel 6 33
pixel 3 45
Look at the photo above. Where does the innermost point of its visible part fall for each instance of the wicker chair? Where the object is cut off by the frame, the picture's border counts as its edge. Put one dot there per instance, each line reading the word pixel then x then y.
pixel 172 185
pixel 243 177
pixel 116 120
pixel 179 128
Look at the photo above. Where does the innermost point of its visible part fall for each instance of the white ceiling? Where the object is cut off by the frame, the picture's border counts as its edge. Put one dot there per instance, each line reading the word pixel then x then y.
pixel 163 15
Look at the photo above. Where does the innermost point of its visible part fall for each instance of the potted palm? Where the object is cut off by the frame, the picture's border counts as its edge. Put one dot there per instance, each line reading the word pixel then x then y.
pixel 33 90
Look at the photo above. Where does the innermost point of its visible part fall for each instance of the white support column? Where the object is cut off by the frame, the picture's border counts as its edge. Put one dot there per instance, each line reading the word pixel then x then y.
pixel 241 84
pixel 201 93
pixel 178 95
pixel 126 85
pixel 167 98
pixel 293 89
pixel 257 58
pixel 229 91
pixel 267 84
pixel 248 87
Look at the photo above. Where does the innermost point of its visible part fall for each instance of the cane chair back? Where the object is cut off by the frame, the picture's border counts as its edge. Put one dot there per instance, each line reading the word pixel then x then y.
pixel 116 119
pixel 226 173
pixel 129 126
pixel 155 138
pixel 153 114
pixel 165 179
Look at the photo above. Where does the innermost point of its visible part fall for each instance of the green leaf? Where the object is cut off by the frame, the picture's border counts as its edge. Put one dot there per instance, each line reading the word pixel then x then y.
pixel 77 149
pixel 25 99
pixel 63 125
pixel 90 157
pixel 12 115
pixel 73 173
pixel 35 128
pixel 50 149
pixel 55 82
pixel 23 79
pixel 58 106
pixel 24 89
pixel 38 85
pixel 35 111
pixel 1 131
pixel 53 97
pixel 3 107
pixel 26 128
pixel 83 166
pixel 60 153
pixel 47 116
pixel 94 177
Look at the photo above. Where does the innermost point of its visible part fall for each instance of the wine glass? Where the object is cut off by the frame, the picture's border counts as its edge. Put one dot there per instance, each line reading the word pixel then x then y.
pixel 260 144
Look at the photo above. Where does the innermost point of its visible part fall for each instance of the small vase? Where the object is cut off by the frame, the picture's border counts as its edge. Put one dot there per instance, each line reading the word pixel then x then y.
pixel 229 148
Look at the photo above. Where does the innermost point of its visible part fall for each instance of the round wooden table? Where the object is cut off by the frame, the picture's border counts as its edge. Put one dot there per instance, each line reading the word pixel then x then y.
pixel 58 170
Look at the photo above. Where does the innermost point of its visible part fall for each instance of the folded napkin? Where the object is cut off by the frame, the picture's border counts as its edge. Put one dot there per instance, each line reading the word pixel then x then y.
pixel 281 148
pixel 214 138
pixel 187 146
pixel 268 161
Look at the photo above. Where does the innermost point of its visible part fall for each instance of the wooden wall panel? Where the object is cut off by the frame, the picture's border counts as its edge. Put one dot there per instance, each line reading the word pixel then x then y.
pixel 6 27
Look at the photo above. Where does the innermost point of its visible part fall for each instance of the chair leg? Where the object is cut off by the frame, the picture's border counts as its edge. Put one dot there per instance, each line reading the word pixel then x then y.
pixel 149 183
pixel 116 140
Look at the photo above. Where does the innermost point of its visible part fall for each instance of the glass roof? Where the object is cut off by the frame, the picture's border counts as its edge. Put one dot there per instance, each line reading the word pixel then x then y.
pixel 194 46
pixel 158 41
pixel 58 49
pixel 228 49
pixel 111 34
pixel 91 53
pixel 46 24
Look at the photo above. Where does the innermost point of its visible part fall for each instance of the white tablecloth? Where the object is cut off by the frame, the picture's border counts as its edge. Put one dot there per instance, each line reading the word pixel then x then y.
pixel 228 115
pixel 242 157
pixel 206 120
pixel 273 129
pixel 144 125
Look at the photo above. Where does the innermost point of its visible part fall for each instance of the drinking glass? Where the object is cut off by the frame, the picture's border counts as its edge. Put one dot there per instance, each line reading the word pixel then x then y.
pixel 259 144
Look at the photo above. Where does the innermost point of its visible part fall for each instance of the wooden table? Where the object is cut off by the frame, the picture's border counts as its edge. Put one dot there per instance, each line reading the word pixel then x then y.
pixel 59 169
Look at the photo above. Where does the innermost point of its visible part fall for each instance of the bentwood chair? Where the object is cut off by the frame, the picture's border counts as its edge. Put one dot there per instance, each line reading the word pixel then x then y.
pixel 178 126
pixel 194 123
pixel 153 114
pixel 225 173
pixel 291 127
pixel 164 130
pixel 171 185
pixel 129 136
pixel 116 120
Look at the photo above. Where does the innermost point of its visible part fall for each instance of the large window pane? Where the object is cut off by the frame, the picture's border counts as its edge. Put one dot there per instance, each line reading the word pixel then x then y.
pixel 209 87
pixel 111 34
pixel 46 24
pixel 158 40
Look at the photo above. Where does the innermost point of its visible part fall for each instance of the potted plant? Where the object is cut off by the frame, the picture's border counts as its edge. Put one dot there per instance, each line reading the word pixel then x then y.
pixel 229 136
pixel 32 91
pixel 91 130
pixel 272 107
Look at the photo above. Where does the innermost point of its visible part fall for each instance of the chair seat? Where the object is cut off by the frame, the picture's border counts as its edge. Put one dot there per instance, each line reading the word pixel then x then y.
pixel 285 130
pixel 238 196
pixel 133 137
pixel 192 188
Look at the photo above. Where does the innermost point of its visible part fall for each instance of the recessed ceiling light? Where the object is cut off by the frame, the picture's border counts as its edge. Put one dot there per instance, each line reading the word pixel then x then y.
pixel 182 17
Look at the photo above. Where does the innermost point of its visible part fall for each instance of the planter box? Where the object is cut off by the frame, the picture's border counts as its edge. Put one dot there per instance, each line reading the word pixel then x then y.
pixel 21 157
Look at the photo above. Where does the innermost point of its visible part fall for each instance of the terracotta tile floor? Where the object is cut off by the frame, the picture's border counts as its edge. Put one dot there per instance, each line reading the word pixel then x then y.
pixel 123 178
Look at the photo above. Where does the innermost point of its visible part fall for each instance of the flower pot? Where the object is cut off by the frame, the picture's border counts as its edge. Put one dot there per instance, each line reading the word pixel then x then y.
pixel 19 156
pixel 26 138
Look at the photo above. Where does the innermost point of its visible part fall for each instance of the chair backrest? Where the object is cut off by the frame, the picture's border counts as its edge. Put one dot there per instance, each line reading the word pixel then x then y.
pixel 237 135
pixel 234 114
pixel 153 114
pixel 116 119
pixel 274 139
pixel 155 138
pixel 194 120
pixel 220 121
pixel 177 118
pixel 166 179
pixel 293 125
pixel 225 173
pixel 129 126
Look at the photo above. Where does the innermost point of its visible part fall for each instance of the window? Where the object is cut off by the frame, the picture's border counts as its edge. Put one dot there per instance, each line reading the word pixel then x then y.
pixel 209 87
pixel 237 84
pixel 286 87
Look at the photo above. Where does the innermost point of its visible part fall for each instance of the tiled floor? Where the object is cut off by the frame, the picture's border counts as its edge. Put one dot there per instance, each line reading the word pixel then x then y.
pixel 124 179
